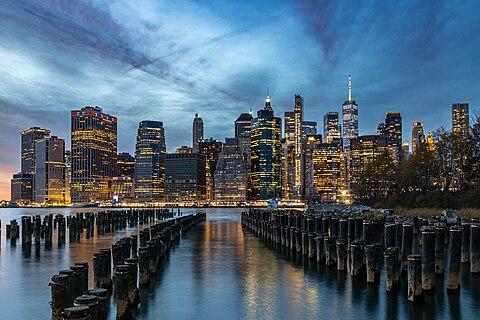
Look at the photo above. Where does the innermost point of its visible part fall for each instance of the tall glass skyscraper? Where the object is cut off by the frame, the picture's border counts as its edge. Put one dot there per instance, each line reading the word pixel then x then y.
pixel 231 174
pixel 393 133
pixel 418 136
pixel 150 152
pixel 460 118
pixel 94 154
pixel 331 127
pixel 197 132
pixel 29 138
pixel 349 117
pixel 50 171
pixel 266 147
pixel 298 186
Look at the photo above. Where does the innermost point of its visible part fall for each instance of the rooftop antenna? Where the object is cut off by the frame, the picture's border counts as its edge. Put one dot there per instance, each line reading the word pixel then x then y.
pixel 349 88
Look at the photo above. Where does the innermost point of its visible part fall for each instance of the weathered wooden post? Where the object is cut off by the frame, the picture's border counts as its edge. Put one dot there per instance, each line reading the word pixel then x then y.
pixel 414 278
pixel 143 262
pixel 439 247
pixel 330 251
pixel 453 282
pixel 60 295
pixel 78 279
pixel 320 247
pixel 475 248
pixel 428 258
pixel 102 298
pixel 390 234
pixel 133 291
pixel 124 309
pixel 76 313
pixel 89 301
pixel 341 254
pixel 356 258
pixel 372 263
pixel 407 244
pixel 70 282
pixel 466 242
pixel 85 274
pixel 343 229
pixel 391 269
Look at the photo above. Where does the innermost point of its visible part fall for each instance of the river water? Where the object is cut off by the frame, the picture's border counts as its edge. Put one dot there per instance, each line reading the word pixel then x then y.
pixel 220 270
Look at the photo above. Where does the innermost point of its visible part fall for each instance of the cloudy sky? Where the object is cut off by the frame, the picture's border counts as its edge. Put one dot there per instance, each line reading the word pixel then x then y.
pixel 167 60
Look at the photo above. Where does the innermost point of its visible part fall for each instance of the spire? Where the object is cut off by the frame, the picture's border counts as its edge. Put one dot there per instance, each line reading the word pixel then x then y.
pixel 250 111
pixel 267 102
pixel 349 88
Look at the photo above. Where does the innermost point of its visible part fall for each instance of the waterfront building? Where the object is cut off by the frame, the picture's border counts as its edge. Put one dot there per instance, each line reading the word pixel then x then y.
pixel 243 126
pixel 460 118
pixel 29 138
pixel 21 188
pixel 197 132
pixel 309 128
pixel 49 178
pixel 123 188
pixel 150 151
pixel 231 173
pixel 288 150
pixel 349 117
pixel 266 147
pixel 310 142
pixel 68 175
pixel 94 154
pixel 211 150
pixel 125 165
pixel 185 177
pixel 418 137
pixel 298 186
pixel 364 150
pixel 331 127
pixel 393 133
pixel 326 171
pixel 184 149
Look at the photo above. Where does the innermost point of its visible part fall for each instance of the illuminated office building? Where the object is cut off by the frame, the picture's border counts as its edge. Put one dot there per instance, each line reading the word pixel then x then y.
pixel 197 132
pixel 243 125
pixel 150 151
pixel 49 181
pixel 230 173
pixel 331 127
pixel 418 137
pixel 381 130
pixel 29 138
pixel 185 177
pixel 349 117
pixel 266 147
pixel 184 149
pixel 310 142
pixel 326 171
pixel 211 150
pixel 430 142
pixel 364 150
pixel 288 151
pixel 298 146
pixel 94 154
pixel 393 133
pixel 21 188
pixel 309 128
pixel 405 150
pixel 460 118
pixel 125 165
pixel 68 175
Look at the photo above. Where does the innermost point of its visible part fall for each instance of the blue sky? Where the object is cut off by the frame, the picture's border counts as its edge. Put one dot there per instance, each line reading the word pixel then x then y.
pixel 167 60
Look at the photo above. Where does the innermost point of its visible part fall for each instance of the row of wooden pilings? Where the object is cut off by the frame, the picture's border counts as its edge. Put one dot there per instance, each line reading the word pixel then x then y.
pixel 104 222
pixel 355 243
pixel 134 259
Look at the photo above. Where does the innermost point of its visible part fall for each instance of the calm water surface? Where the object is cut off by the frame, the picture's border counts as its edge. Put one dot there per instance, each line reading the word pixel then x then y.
pixel 221 271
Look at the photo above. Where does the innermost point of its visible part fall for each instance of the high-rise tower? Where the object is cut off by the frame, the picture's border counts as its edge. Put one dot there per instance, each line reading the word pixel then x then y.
pixel 418 136
pixel 197 133
pixel 331 127
pixel 393 133
pixel 94 154
pixel 29 138
pixel 349 117
pixel 298 186
pixel 150 152
pixel 50 171
pixel 460 118
pixel 266 147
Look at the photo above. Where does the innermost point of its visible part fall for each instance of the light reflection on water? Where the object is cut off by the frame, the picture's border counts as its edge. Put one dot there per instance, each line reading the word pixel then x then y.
pixel 221 271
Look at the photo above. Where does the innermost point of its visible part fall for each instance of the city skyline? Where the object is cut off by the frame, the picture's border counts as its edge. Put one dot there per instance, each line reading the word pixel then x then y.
pixel 51 65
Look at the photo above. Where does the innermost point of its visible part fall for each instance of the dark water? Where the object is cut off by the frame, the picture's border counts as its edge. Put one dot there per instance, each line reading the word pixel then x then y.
pixel 221 271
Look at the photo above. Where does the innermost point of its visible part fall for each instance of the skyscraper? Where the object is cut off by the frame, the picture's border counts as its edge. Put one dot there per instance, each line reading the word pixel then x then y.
pixel 265 153
pixel 299 160
pixel 460 118
pixel 418 137
pixel 185 177
pixel 288 151
pixel 230 173
pixel 243 125
pixel 331 127
pixel 150 151
pixel 125 165
pixel 197 132
pixel 349 117
pixel 29 137
pixel 309 128
pixel 22 188
pixel 381 130
pixel 49 165
pixel 393 133
pixel 94 154
pixel 211 150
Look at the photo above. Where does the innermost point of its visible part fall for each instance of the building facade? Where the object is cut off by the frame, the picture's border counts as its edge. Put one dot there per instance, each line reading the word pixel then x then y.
pixel 393 133
pixel 331 127
pixel 49 181
pixel 197 132
pixel 185 177
pixel 94 154
pixel 298 186
pixel 266 154
pixel 243 126
pixel 150 152
pixel 231 173
pixel 309 128
pixel 460 118
pixel 349 117
pixel 29 138
pixel 418 136
pixel 21 188
pixel 211 150
pixel 125 165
